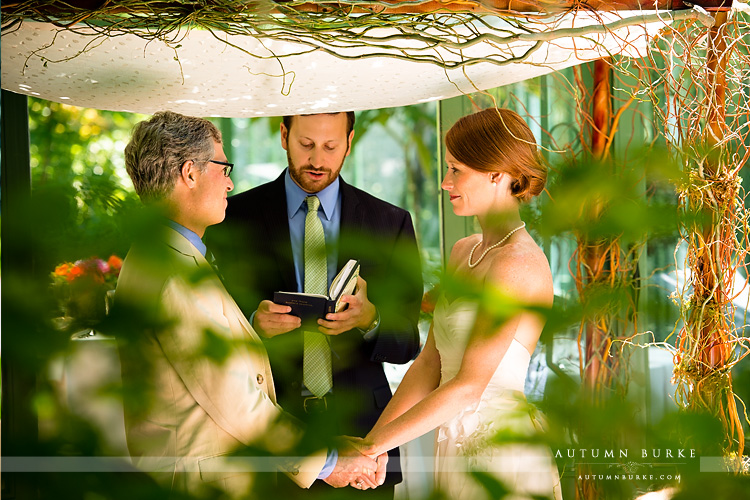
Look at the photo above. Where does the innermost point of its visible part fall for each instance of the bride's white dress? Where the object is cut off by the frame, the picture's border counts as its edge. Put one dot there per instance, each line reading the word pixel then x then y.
pixel 463 444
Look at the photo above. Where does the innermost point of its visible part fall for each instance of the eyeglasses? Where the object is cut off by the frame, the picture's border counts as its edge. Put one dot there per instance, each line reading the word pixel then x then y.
pixel 227 166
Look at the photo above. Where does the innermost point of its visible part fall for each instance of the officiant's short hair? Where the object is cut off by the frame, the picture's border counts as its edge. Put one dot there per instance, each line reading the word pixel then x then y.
pixel 160 146
pixel 350 118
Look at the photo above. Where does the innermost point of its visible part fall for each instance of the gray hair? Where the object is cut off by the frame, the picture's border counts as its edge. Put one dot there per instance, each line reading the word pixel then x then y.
pixel 159 147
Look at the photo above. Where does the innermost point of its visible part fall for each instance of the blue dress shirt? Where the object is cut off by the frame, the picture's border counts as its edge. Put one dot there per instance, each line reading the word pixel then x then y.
pixel 331 459
pixel 189 235
pixel 296 207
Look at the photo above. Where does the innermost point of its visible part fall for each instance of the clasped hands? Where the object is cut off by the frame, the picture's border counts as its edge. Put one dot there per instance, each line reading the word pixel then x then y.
pixel 356 469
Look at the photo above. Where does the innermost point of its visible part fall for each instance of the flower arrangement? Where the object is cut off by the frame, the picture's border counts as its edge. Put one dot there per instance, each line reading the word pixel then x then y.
pixel 81 289
pixel 93 269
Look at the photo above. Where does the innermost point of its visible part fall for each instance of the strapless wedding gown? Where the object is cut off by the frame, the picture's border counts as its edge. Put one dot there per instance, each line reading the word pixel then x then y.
pixel 464 443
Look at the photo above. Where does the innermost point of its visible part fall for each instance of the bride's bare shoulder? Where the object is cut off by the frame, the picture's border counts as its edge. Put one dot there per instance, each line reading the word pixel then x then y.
pixel 523 271
pixel 462 248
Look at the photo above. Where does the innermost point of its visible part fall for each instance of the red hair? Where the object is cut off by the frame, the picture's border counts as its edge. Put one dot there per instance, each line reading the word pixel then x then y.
pixel 499 140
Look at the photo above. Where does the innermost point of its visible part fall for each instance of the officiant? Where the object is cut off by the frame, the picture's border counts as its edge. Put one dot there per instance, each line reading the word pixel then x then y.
pixel 294 234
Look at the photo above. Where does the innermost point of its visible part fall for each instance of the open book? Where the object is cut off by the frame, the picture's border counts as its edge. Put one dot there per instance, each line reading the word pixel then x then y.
pixel 311 306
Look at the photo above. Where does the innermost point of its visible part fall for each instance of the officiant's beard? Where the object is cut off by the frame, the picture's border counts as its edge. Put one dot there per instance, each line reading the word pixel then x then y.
pixel 300 177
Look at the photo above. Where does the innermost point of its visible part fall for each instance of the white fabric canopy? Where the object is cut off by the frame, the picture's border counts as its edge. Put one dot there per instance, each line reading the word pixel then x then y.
pixel 211 78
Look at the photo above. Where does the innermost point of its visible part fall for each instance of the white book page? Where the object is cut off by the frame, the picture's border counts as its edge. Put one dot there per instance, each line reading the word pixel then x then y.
pixel 339 280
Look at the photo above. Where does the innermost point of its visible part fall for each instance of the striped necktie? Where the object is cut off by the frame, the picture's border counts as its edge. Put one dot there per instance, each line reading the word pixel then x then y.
pixel 316 363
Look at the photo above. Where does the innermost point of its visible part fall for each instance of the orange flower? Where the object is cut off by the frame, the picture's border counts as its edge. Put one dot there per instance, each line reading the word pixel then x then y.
pixel 63 269
pixel 114 262
pixel 75 272
pixel 429 299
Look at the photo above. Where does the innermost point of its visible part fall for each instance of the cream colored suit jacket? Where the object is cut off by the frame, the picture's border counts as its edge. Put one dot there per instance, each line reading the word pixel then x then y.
pixel 199 407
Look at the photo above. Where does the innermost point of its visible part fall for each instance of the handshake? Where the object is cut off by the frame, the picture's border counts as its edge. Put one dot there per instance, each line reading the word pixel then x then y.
pixel 355 468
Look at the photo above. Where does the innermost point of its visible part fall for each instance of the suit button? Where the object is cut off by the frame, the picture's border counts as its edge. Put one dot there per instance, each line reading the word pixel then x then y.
pixel 259 378
pixel 294 471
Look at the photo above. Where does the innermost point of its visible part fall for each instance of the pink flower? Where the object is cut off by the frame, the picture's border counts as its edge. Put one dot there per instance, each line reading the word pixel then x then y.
pixel 102 266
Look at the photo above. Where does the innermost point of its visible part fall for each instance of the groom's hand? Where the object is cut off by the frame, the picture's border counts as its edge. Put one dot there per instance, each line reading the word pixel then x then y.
pixel 364 447
pixel 362 483
pixel 382 467
pixel 351 467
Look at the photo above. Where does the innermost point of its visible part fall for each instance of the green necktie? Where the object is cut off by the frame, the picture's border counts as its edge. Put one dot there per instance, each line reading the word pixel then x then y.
pixel 316 364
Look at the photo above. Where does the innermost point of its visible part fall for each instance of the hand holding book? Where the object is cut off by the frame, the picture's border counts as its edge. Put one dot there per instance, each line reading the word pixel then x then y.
pixel 271 319
pixel 361 313
pixel 311 307
pixel 345 307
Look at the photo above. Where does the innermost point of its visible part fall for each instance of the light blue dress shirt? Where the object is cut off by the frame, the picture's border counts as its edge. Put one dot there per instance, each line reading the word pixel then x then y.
pixel 190 235
pixel 331 459
pixel 330 206
pixel 296 207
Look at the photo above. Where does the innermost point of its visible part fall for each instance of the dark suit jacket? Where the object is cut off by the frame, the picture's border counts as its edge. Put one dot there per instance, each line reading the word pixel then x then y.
pixel 254 253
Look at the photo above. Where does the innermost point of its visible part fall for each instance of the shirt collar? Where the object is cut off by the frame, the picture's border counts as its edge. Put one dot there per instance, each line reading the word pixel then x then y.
pixel 295 196
pixel 190 235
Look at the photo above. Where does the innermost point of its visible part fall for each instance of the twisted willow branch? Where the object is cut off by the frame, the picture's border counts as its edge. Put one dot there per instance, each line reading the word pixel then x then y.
pixel 346 30
pixel 708 133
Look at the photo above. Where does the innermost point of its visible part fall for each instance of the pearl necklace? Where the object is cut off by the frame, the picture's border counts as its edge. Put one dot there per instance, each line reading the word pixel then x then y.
pixel 471 255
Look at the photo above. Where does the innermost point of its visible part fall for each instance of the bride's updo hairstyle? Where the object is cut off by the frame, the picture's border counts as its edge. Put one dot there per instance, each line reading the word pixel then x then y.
pixel 498 140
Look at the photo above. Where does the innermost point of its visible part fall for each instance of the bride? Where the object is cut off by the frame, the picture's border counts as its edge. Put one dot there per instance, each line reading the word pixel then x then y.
pixel 468 380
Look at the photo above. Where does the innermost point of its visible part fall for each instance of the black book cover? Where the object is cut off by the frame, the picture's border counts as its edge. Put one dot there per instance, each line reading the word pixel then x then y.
pixel 308 307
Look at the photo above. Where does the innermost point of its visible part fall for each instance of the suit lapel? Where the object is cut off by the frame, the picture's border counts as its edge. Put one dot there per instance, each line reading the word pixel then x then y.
pixel 352 215
pixel 277 227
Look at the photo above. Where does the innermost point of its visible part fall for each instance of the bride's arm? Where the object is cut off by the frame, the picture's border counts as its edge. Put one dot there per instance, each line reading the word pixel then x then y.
pixel 486 348
pixel 479 363
pixel 422 378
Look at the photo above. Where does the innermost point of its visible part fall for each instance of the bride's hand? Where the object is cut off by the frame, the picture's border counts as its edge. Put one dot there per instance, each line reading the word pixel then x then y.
pixel 363 445
pixel 367 447
pixel 364 482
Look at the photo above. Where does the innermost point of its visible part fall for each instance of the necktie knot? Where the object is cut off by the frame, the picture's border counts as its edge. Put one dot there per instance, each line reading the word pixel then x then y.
pixel 313 203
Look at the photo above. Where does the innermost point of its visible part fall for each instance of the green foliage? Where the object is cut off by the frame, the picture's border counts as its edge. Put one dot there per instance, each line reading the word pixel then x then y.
pixel 579 189
pixel 78 172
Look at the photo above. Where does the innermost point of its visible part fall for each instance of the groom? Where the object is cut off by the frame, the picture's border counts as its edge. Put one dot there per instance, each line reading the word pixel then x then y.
pixel 194 410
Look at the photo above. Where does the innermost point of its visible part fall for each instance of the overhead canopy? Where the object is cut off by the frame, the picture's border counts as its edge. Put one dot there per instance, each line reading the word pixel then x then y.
pixel 205 73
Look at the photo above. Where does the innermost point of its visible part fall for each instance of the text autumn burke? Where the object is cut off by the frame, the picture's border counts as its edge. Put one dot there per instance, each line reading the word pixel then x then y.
pixel 642 453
